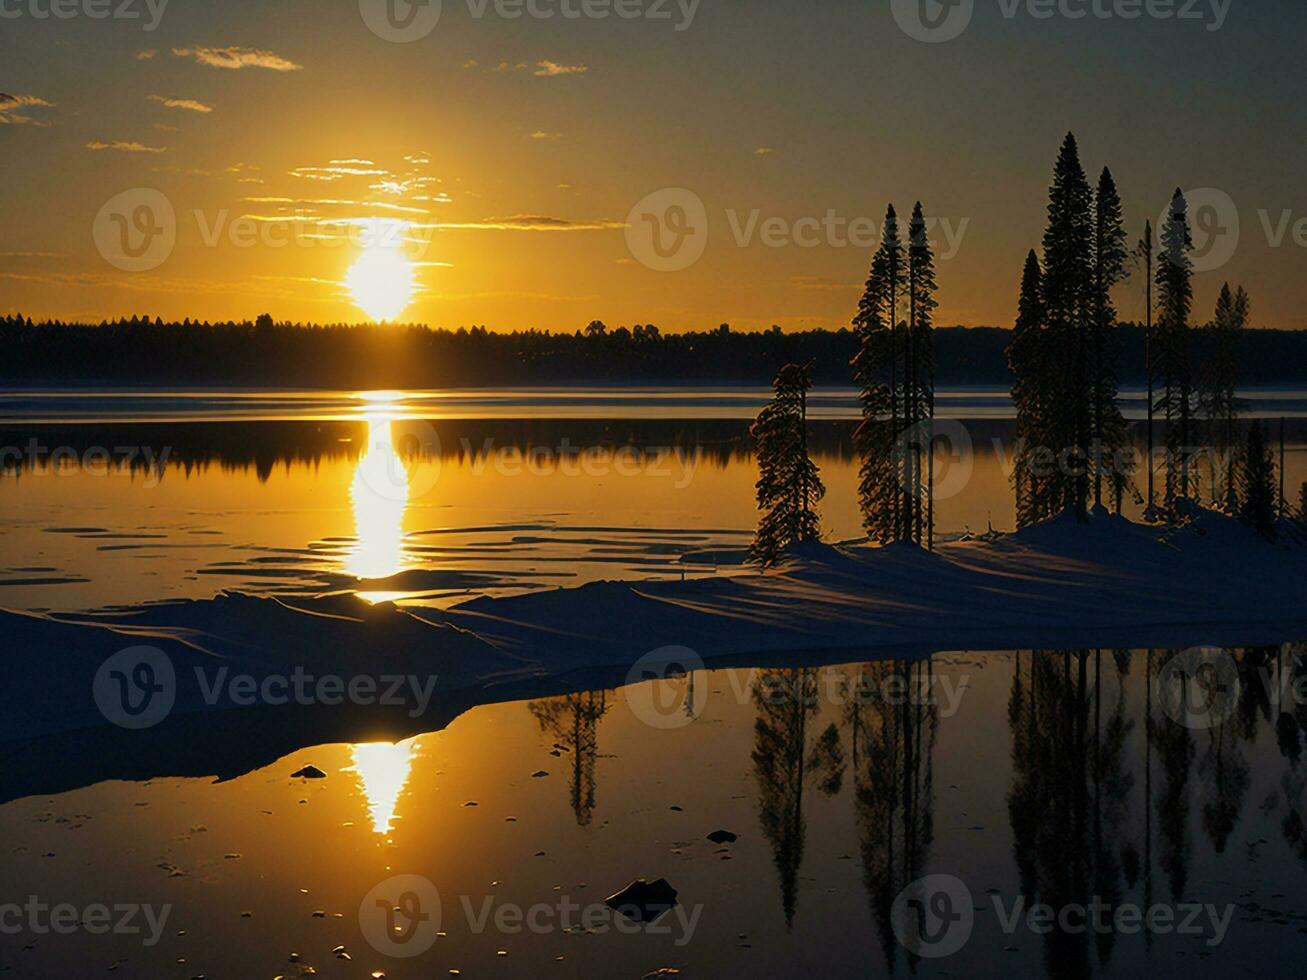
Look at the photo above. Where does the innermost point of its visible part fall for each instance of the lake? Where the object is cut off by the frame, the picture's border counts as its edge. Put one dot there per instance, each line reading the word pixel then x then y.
pixel 1065 813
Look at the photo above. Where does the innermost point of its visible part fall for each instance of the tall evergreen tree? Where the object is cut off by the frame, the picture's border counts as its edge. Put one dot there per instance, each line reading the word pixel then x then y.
pixel 1027 356
pixel 1066 384
pixel 877 372
pixel 1217 381
pixel 921 377
pixel 1175 297
pixel 1146 250
pixel 1257 494
pixel 1111 434
pixel 789 486
pixel 1068 312
pixel 895 370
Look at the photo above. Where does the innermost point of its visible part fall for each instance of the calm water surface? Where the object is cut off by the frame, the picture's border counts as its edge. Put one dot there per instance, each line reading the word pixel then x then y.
pixel 1059 777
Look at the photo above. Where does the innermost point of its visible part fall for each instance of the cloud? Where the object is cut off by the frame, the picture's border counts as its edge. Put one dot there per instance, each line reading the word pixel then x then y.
pixel 527 222
pixel 763 151
pixel 542 136
pixel 126 147
pixel 332 203
pixel 552 69
pixel 235 58
pixel 190 105
pixel 339 170
pixel 10 104
pixel 145 55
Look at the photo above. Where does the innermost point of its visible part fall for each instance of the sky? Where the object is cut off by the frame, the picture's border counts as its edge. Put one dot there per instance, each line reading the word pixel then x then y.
pixel 690 163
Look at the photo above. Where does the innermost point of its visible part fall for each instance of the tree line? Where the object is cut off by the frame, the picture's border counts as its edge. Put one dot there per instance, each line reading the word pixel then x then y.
pixel 148 351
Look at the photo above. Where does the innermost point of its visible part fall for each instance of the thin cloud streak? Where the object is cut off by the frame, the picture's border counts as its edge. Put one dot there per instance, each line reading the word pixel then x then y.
pixel 235 58
pixel 125 147
pixel 190 105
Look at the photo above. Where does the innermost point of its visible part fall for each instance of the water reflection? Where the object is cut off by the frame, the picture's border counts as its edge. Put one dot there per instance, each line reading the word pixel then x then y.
pixel 383 770
pixel 379 495
pixel 785 763
pixel 892 741
pixel 573 723
pixel 1073 779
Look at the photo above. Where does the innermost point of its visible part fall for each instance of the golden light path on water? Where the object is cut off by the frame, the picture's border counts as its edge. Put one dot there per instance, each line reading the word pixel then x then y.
pixel 383 771
pixel 379 496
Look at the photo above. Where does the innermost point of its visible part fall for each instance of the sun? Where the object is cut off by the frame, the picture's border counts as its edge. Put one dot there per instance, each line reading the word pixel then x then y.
pixel 381 282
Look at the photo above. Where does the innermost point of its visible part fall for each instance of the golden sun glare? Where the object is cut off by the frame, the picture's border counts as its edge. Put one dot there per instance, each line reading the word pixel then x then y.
pixel 381 282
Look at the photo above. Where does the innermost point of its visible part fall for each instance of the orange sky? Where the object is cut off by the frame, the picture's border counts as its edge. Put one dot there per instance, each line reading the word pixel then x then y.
pixel 505 159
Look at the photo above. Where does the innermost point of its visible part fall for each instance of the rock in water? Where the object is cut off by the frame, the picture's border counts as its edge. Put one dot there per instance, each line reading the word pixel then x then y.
pixel 309 772
pixel 723 837
pixel 643 901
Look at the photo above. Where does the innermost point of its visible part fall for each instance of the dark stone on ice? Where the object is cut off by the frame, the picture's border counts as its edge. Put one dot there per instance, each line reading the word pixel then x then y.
pixel 309 772
pixel 644 901
pixel 723 837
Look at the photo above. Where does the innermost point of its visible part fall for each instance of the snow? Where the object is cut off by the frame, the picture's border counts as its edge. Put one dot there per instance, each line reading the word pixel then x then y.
pixel 1108 583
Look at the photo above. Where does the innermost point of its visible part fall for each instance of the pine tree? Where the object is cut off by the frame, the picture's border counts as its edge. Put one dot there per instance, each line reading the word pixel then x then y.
pixel 877 372
pixel 789 486
pixel 1302 503
pixel 1111 434
pixel 1146 249
pixel 1062 356
pixel 1068 311
pixel 921 377
pixel 1026 355
pixel 1257 494
pixel 1175 302
pixel 1217 381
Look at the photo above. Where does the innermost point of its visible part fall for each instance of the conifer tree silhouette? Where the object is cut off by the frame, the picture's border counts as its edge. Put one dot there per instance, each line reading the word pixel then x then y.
pixel 1257 495
pixel 789 485
pixel 1175 297
pixel 878 374
pixel 1110 432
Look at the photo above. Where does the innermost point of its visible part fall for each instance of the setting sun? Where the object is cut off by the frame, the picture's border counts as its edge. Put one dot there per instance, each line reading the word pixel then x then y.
pixel 381 282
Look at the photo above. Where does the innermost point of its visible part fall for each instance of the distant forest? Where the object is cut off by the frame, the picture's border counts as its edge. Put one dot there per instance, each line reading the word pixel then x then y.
pixel 141 351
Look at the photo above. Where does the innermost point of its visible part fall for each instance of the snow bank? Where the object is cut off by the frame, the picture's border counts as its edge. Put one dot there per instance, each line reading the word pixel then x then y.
pixel 1058 585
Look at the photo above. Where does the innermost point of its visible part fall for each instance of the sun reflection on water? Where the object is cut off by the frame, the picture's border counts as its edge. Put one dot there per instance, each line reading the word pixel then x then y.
pixel 379 495
pixel 383 770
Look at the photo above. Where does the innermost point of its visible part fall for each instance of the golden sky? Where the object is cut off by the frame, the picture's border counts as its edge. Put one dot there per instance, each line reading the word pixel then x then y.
pixel 520 166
